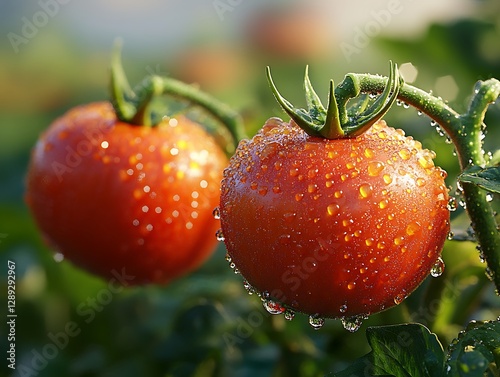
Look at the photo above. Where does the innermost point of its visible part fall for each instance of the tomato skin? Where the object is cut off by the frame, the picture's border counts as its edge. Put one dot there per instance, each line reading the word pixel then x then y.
pixel 110 196
pixel 337 228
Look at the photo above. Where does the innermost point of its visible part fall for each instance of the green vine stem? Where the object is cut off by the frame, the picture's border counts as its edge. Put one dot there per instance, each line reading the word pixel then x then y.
pixel 133 106
pixel 466 131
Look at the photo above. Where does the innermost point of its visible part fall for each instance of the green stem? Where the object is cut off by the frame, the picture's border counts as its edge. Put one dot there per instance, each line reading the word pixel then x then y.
pixel 132 106
pixel 465 131
pixel 157 85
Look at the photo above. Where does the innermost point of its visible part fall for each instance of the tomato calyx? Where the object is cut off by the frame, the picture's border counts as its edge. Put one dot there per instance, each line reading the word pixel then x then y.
pixel 137 106
pixel 337 121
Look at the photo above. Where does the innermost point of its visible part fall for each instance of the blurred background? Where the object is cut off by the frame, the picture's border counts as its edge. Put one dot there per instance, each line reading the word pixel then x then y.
pixel 55 54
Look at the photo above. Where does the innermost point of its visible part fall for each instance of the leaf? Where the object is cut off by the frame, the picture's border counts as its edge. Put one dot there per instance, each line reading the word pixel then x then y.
pixel 488 178
pixel 474 350
pixel 407 350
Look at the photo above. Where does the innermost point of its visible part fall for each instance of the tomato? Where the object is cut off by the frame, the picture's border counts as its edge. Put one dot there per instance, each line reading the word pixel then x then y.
pixel 119 198
pixel 333 228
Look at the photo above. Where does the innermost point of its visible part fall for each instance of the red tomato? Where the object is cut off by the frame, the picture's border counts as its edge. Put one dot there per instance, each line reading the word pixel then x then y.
pixel 333 228
pixel 119 198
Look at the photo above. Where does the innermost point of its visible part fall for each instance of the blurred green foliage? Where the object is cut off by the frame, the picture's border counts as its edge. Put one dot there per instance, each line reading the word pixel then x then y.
pixel 205 324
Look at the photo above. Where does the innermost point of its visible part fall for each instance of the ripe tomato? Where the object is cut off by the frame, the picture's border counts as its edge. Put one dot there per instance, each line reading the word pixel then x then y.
pixel 333 228
pixel 111 196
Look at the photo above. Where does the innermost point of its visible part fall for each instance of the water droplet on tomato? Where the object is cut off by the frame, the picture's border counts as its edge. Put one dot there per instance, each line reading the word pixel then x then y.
pixel 248 287
pixel 399 298
pixel 374 168
pixel 316 321
pixel 219 235
pixel 216 213
pixel 412 228
pixel 365 190
pixel 369 153
pixel 289 314
pixel 420 182
pixel 312 188
pixel 398 241
pixel 426 162
pixel 343 308
pixel 490 274
pixel 298 197
pixel 273 307
pixel 405 154
pixel 437 268
pixel 353 323
pixel 387 179
pixel 383 204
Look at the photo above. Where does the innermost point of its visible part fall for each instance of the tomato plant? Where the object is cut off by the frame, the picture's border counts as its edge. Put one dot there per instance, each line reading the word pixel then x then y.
pixel 112 190
pixel 335 214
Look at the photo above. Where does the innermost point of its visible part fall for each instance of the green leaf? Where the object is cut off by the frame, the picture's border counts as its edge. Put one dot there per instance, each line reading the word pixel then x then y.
pixel 475 350
pixel 407 350
pixel 488 178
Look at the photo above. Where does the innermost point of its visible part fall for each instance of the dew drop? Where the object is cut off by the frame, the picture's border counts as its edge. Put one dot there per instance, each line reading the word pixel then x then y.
pixel 289 314
pixel 298 197
pixel 405 154
pixel 343 308
pixel 398 299
pixel 437 268
pixel 316 321
pixel 452 204
pixel 273 307
pixel 387 179
pixel 333 209
pixel 419 113
pixel 352 324
pixel 248 287
pixel 219 235
pixel 228 258
pixel 216 213
pixel 398 241
pixel 374 168
pixel 426 162
pixel 311 188
pixel 365 190
pixel 489 274
pixel 262 190
pixel 489 197
pixel 369 153
pixel 383 204
pixel 412 228
pixel 420 182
